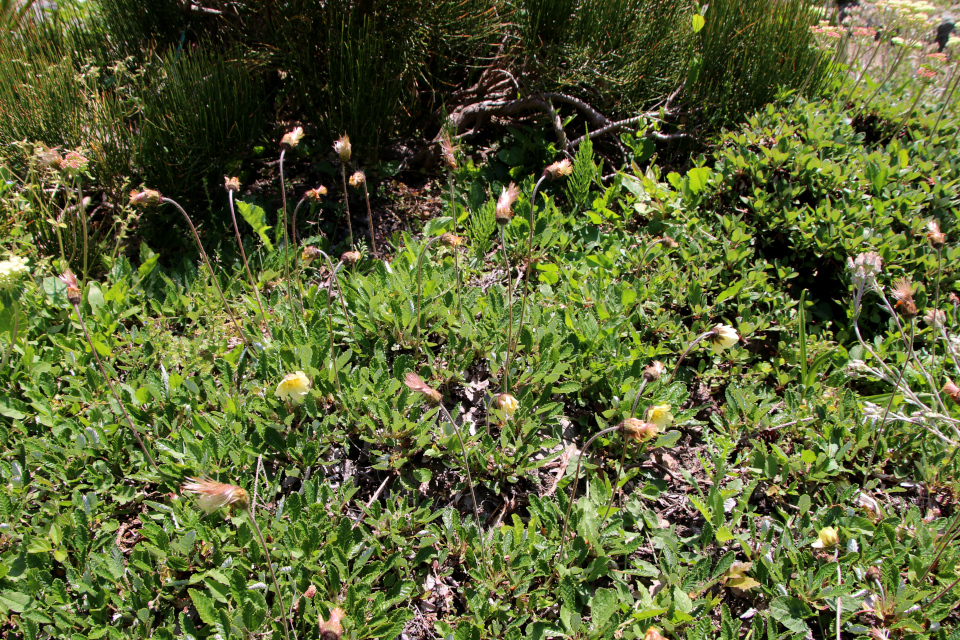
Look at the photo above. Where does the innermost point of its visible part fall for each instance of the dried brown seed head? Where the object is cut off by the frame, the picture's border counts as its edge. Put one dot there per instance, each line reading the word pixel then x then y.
pixel 414 383
pixel 451 240
pixel 935 237
pixel 448 151
pixel 653 371
pixel 231 184
pixel 873 573
pixel 505 204
pixel 638 430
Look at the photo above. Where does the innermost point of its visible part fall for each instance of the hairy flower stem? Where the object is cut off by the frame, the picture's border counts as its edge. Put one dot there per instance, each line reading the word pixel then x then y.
pixel 373 240
pixel 886 412
pixel 623 457
pixel 213 276
pixel 296 246
pixel 643 256
pixel 893 69
pixel 576 480
pixel 506 262
pixel 13 334
pixel 333 360
pixel 273 574
pixel 286 238
pixel 456 256
pixel 836 559
pixel 343 303
pixel 946 100
pixel 529 267
pixel 423 252
pixel 913 105
pixel 81 213
pixel 687 350
pixel 113 391
pixel 863 72
pixel 936 306
pixel 346 201
pixel 246 265
pixel 466 465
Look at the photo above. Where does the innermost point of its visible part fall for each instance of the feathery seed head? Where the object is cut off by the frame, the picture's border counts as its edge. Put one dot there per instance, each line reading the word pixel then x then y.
pixel 447 150
pixel 292 138
pixel 558 170
pixel 332 629
pixel 505 204
pixel 214 495
pixel 653 371
pixel 314 194
pixel 415 383
pixel 357 179
pixel 343 148
pixel 231 184
pixel 935 237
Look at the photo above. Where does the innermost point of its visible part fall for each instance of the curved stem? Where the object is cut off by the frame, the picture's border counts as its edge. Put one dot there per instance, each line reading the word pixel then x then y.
pixel 333 360
pixel 576 480
pixel 863 72
pixel 643 256
pixel 273 574
pixel 936 309
pixel 886 412
pixel 213 276
pixel 423 252
pixel 246 265
pixel 346 201
pixel 686 351
pixel 506 262
pixel 293 228
pixel 896 64
pixel 946 100
pixel 373 240
pixel 456 256
pixel 623 457
pixel 81 212
pixel 113 391
pixel 13 334
pixel 526 271
pixel 466 464
pixel 913 105
pixel 286 239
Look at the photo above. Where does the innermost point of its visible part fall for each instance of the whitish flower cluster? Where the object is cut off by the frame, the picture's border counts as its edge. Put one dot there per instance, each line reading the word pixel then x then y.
pixel 11 271
pixel 864 269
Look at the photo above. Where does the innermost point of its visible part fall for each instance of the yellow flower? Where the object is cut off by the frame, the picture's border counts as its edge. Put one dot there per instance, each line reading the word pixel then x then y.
pixel 723 337
pixel 659 414
pixel 508 404
pixel 829 537
pixel 214 495
pixel 294 387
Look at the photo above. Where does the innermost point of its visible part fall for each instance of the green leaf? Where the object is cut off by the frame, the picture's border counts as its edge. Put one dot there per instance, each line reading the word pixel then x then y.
pixel 254 216
pixel 204 606
pixel 603 605
pixel 94 296
pixel 15 601
pixel 790 612
pixel 698 23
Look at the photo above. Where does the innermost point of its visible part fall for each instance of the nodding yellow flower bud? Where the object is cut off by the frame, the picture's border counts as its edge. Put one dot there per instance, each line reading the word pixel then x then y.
pixel 310 253
pixel 332 629
pixel 508 404
pixel 558 169
pixel 722 337
pixel 670 242
pixel 415 383
pixel 446 149
pixel 653 634
pixel 935 237
pixel 350 257
pixel 638 430
pixel 147 198
pixel 873 573
pixel 214 495
pixel 231 184
pixel 294 387
pixel 343 148
pixel 357 179
pixel 451 240
pixel 315 194
pixel 505 204
pixel 292 138
pixel 828 538
pixel 659 414
pixel 653 371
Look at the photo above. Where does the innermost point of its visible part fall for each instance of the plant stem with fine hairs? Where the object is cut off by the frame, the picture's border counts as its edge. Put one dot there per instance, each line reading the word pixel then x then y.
pixel 213 276
pixel 286 238
pixel 346 200
pixel 373 240
pixel 113 391
pixel 506 262
pixel 246 265
pixel 273 574
pixel 526 271
pixel 623 457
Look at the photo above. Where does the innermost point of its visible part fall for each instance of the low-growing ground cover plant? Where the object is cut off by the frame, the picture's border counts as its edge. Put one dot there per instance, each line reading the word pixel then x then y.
pixel 722 402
